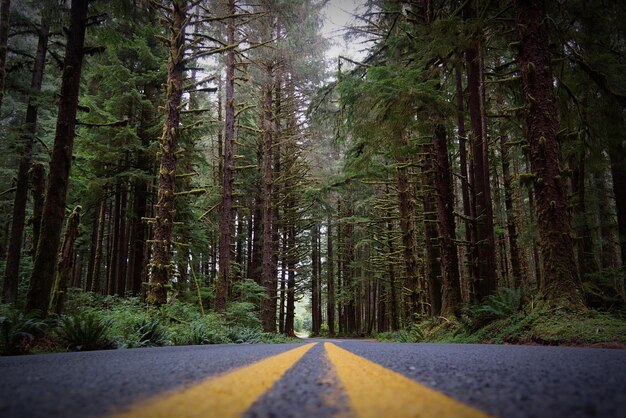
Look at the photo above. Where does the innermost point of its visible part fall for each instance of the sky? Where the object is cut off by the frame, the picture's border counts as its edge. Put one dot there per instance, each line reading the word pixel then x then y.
pixel 338 14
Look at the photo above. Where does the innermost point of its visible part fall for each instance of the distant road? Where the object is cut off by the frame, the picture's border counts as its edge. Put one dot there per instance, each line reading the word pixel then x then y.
pixel 318 378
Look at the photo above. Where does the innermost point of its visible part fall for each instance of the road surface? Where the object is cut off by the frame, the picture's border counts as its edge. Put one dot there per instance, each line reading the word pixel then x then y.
pixel 318 378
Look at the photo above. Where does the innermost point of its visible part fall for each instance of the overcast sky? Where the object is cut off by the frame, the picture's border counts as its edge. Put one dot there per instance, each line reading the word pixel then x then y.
pixel 338 14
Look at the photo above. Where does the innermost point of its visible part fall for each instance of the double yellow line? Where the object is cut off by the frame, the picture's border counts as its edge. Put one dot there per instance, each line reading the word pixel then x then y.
pixel 373 391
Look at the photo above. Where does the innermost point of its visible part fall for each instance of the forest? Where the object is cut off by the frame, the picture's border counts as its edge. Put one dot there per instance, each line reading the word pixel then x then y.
pixel 191 171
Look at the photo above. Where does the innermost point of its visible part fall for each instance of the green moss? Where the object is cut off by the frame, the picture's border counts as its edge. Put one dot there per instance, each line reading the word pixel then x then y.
pixel 550 327
pixel 562 327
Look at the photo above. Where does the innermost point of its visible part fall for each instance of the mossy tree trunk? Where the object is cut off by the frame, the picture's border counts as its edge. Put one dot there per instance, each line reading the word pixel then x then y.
pixel 561 284
pixel 161 263
pixel 444 202
pixel 44 265
pixel 66 263
pixel 5 6
pixel 226 216
pixel 11 276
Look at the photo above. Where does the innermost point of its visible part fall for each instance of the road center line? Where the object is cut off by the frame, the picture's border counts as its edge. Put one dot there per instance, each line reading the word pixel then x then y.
pixel 226 395
pixel 375 391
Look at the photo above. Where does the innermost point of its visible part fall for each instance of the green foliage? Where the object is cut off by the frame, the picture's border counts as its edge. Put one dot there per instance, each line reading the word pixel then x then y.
pixel 242 313
pixel 604 290
pixel 84 332
pixel 17 330
pixel 205 330
pixel 151 333
pixel 245 335
pixel 412 335
pixel 502 304
pixel 537 326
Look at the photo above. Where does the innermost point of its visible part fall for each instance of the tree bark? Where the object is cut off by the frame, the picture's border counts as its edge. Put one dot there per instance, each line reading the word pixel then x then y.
pixel 5 8
pixel 11 274
pixel 64 268
pixel 485 239
pixel 226 218
pixel 561 283
pixel 406 207
pixel 268 305
pixel 330 271
pixel 161 264
pixel 516 269
pixel 444 200
pixel 315 280
pixel 44 265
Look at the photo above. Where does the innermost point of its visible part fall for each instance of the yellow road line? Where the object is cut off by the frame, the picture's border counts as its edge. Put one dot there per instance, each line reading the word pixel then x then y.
pixel 375 391
pixel 226 395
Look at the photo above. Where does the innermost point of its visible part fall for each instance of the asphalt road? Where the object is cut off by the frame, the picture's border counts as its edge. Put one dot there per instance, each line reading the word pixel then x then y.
pixel 503 381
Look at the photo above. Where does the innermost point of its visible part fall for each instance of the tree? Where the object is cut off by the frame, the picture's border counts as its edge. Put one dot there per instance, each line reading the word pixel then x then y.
pixel 11 276
pixel 41 280
pixel 561 284
pixel 161 264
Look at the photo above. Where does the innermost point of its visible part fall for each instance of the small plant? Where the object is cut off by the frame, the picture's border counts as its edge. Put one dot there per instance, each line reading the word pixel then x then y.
pixel 17 330
pixel 84 332
pixel 242 314
pixel 503 304
pixel 244 335
pixel 151 333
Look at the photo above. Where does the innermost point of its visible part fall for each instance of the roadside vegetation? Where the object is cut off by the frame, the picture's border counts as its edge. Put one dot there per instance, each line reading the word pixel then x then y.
pixel 512 317
pixel 95 322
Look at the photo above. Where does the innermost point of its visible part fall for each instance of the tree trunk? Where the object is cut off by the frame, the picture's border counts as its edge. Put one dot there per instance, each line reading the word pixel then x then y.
pixel 561 284
pixel 291 282
pixel 444 199
pixel 64 268
pixel 44 265
pixel 330 271
pixel 11 274
pixel 406 206
pixel 507 179
pixel 618 171
pixel 161 264
pixel 314 283
pixel 5 6
pixel 95 280
pixel 268 305
pixel 226 218
pixel 485 239
pixel 38 183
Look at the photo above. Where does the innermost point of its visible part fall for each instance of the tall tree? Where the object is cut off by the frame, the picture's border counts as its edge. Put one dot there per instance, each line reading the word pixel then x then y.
pixel 161 264
pixel 11 276
pixel 561 284
pixel 41 280
pixel 5 8
pixel 226 213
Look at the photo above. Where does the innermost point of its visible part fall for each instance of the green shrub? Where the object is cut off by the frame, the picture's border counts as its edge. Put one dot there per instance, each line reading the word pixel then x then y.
pixel 151 333
pixel 84 332
pixel 242 314
pixel 205 330
pixel 245 335
pixel 180 311
pixel 504 303
pixel 17 330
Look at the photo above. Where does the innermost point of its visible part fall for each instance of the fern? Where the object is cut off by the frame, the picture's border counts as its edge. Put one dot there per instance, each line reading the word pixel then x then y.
pixel 16 330
pixel 84 332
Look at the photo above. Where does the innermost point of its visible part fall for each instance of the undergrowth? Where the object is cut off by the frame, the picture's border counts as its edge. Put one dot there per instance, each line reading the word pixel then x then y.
pixel 511 317
pixel 95 322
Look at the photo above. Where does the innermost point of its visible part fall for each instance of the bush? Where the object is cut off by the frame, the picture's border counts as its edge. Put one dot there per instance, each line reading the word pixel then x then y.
pixel 151 333
pixel 245 335
pixel 84 332
pixel 242 314
pixel 503 304
pixel 17 330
